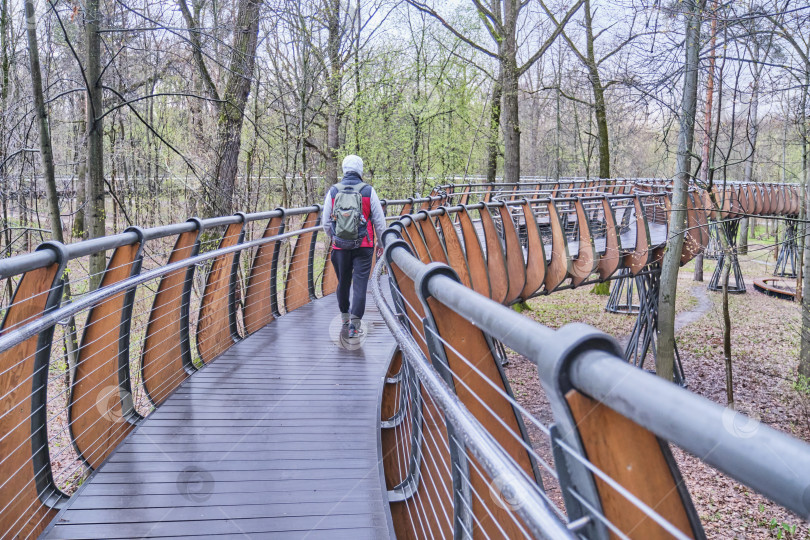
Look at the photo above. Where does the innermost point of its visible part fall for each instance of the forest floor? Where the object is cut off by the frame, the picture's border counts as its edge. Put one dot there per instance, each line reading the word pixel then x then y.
pixel 765 342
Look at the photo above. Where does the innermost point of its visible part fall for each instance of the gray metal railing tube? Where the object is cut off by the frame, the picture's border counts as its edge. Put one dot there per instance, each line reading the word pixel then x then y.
pixel 774 464
pixel 503 324
pixel 13 266
pixel 88 300
pixel 539 518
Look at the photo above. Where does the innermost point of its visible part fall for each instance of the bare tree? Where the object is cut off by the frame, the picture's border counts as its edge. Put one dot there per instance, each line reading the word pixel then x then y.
pixel 230 110
pixel 794 32
pixel 501 22
pixel 665 358
pixel 96 213
pixel 598 86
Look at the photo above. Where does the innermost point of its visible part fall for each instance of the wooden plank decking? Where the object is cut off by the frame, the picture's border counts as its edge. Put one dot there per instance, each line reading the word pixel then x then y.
pixel 276 437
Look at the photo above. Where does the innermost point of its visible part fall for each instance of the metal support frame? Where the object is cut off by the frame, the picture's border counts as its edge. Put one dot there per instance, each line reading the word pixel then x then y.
pixel 788 255
pixel 713 248
pixel 737 286
pixel 643 338
pixel 622 294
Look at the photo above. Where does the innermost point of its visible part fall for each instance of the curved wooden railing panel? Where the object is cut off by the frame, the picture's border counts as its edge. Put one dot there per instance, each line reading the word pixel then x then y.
pixel 587 259
pixel 496 260
pixel 479 276
pixel 329 282
pixel 694 242
pixel 23 379
pixel 640 256
pixel 261 288
pixel 482 388
pixel 610 261
pixel 753 199
pixel 560 266
pixel 435 250
pixel 637 460
pixel 455 253
pixel 515 265
pixel 300 288
pixel 100 412
pixel 535 253
pixel 765 192
pixel 216 323
pixel 396 419
pixel 166 358
pixel 414 237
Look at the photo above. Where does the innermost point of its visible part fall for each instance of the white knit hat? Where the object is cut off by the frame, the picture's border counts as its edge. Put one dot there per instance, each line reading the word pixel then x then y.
pixel 353 163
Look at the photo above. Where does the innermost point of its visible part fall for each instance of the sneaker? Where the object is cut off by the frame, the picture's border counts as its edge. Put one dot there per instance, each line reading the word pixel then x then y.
pixel 356 329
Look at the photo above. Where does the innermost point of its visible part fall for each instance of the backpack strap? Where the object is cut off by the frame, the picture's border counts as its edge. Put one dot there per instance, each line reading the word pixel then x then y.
pixel 354 187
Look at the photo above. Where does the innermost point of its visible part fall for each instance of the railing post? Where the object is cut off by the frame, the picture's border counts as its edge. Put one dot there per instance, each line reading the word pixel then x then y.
pixel 49 494
pixel 124 382
pixel 311 257
pixel 100 414
pixel 459 467
pixel 232 285
pixel 613 444
pixel 216 323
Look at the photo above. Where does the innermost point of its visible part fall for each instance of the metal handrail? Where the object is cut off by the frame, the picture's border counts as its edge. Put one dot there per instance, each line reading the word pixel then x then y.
pixel 18 335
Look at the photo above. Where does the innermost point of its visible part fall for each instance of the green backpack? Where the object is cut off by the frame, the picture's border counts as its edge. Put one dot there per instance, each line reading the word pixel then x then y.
pixel 349 227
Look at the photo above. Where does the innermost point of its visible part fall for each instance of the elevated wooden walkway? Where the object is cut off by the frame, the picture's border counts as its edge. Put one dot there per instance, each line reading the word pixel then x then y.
pixel 278 436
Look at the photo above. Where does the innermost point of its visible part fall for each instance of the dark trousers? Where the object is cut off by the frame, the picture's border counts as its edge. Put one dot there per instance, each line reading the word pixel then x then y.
pixel 352 266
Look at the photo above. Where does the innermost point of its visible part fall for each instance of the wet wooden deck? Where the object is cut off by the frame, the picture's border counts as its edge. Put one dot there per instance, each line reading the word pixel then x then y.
pixel 278 436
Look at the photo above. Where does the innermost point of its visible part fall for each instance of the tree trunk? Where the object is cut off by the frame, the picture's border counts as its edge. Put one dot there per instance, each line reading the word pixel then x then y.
pixel 511 76
pixel 333 91
pixel 727 332
pixel 725 245
pixel 95 214
pixel 753 132
pixel 81 178
pixel 804 355
pixel 45 148
pixel 707 122
pixel 600 109
pixel 232 112
pixel 494 128
pixel 665 360
pixel 698 275
pixel 46 155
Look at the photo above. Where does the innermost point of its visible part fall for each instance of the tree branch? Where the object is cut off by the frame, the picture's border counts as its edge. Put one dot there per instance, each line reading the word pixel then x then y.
pixel 557 31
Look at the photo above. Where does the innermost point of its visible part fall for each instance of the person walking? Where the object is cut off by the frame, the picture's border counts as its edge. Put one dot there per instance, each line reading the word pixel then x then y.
pixel 352 214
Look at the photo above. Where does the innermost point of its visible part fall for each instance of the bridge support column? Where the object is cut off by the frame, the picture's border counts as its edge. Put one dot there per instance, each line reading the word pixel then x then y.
pixel 622 294
pixel 788 254
pixel 713 248
pixel 642 340
pixel 737 285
